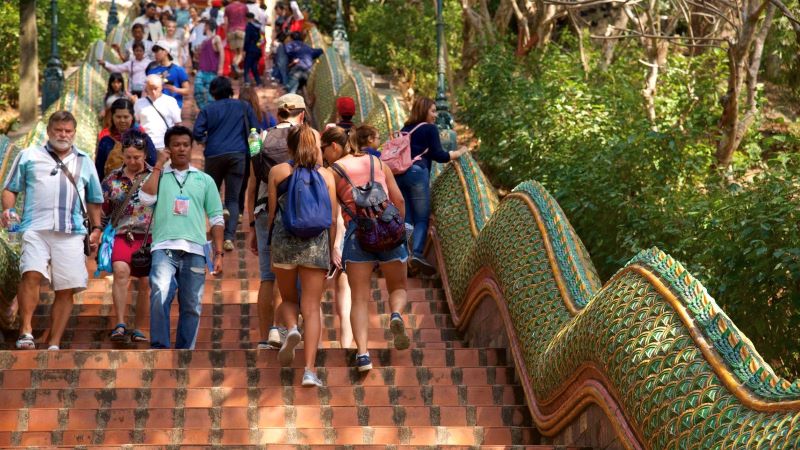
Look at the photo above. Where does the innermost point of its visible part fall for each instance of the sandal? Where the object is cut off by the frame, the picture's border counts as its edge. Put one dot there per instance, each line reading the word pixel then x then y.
pixel 117 335
pixel 25 342
pixel 138 336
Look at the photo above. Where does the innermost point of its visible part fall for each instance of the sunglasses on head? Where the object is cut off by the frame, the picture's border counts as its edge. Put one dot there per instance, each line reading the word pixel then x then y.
pixel 136 142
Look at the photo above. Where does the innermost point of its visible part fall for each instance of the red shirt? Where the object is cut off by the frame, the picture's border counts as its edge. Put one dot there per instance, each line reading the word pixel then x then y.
pixel 236 13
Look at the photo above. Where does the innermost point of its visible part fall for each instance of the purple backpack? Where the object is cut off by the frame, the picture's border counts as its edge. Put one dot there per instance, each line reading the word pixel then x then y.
pixel 379 227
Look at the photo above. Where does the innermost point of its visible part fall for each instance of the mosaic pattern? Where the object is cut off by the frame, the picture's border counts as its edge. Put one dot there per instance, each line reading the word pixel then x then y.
pixel 326 79
pixel 359 87
pixel 680 371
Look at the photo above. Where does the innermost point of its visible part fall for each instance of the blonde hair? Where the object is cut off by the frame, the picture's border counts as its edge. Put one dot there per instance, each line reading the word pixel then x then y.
pixel 302 143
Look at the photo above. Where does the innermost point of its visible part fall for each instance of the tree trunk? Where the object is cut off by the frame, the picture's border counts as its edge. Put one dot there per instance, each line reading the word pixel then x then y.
pixel 732 128
pixel 579 34
pixel 620 22
pixel 28 62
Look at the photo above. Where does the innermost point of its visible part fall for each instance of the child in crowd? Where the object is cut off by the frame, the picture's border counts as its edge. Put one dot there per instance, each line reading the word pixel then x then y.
pixel 252 48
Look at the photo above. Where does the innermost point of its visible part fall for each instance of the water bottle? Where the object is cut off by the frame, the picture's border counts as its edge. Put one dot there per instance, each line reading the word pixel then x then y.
pixel 13 221
pixel 13 225
pixel 254 142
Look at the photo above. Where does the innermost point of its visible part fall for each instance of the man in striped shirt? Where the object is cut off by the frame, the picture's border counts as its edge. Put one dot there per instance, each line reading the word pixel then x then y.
pixel 52 222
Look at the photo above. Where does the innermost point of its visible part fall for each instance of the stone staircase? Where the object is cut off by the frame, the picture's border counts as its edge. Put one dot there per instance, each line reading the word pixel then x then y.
pixel 97 393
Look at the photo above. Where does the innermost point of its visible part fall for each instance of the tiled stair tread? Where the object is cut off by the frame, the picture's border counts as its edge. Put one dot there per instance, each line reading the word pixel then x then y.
pixel 242 345
pixel 241 417
pixel 339 447
pixel 417 435
pixel 103 284
pixel 424 335
pixel 103 322
pixel 164 397
pixel 197 359
pixel 238 309
pixel 237 294
pixel 256 378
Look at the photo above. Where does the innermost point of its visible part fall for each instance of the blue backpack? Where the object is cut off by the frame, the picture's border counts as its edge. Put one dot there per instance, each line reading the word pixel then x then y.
pixel 308 206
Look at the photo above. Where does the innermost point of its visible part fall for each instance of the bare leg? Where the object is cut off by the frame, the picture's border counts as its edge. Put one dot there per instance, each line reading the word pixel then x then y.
pixel 62 307
pixel 359 275
pixel 119 290
pixel 28 298
pixel 343 304
pixel 313 281
pixel 287 285
pixel 395 274
pixel 269 298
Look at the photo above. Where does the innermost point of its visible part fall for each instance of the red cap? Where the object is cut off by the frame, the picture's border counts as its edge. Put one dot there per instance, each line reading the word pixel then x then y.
pixel 346 106
pixel 216 3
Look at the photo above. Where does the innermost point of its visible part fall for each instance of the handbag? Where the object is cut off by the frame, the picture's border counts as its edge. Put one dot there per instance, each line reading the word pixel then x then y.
pixel 110 231
pixel 87 250
pixel 142 259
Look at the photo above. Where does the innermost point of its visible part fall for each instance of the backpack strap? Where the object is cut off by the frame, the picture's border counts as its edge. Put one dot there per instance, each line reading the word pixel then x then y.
pixel 415 128
pixel 339 171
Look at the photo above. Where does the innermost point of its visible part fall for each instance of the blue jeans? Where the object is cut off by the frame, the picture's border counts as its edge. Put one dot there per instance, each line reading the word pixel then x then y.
pixel 280 71
pixel 230 168
pixel 202 82
pixel 262 236
pixel 415 186
pixel 186 272
pixel 251 65
pixel 297 79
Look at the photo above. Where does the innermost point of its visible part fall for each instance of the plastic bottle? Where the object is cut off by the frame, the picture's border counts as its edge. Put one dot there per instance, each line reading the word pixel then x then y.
pixel 13 226
pixel 13 221
pixel 254 142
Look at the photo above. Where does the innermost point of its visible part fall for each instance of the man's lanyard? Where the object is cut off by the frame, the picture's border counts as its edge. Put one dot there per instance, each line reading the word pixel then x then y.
pixel 181 185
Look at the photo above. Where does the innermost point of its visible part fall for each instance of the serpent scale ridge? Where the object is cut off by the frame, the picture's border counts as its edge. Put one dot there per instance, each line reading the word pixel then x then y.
pixel 666 356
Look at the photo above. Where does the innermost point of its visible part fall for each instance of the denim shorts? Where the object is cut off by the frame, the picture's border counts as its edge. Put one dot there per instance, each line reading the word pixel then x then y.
pixel 264 258
pixel 353 252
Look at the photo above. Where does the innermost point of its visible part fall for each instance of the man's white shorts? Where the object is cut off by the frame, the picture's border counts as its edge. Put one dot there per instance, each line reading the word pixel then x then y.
pixel 58 256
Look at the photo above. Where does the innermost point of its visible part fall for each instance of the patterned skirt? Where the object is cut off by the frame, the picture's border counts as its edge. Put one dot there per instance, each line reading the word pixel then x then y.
pixel 288 249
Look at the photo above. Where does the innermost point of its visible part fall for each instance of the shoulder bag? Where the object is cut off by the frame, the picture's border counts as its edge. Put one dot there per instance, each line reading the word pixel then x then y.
pixel 60 165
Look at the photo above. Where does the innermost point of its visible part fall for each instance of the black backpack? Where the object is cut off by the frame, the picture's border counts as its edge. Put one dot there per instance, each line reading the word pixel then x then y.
pixel 274 151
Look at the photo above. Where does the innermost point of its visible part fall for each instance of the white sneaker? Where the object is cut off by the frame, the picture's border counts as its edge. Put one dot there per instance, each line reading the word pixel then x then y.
pixel 54 348
pixel 274 337
pixel 228 245
pixel 310 379
pixel 286 353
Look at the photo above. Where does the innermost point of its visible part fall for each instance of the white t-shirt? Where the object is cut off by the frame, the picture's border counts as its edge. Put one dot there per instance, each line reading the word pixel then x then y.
pixel 148 116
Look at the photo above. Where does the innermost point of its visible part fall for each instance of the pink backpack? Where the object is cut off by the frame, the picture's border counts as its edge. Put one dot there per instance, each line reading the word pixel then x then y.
pixel 396 152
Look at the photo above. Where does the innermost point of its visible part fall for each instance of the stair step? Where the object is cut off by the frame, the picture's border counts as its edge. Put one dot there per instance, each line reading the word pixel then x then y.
pixel 417 435
pixel 330 320
pixel 235 415
pixel 232 345
pixel 254 378
pixel 197 359
pixel 160 397
pixel 374 308
pixel 238 295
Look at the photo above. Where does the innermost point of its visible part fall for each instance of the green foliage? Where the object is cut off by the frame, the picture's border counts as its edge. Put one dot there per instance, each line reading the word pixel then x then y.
pixel 399 38
pixel 77 30
pixel 626 187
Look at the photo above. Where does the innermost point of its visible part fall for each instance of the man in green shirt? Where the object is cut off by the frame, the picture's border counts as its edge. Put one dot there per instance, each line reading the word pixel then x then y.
pixel 183 197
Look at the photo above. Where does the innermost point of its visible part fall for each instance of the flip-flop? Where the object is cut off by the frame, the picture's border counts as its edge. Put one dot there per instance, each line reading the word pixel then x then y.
pixel 138 336
pixel 117 335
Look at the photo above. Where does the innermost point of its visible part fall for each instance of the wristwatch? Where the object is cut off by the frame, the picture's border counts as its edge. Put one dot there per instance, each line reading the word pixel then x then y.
pixel 97 228
pixel 219 254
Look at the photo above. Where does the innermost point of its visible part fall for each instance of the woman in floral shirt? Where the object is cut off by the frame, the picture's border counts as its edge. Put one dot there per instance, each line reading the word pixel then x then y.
pixel 130 219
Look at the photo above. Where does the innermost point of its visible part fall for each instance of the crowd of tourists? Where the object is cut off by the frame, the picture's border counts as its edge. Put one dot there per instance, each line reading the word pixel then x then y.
pixel 325 208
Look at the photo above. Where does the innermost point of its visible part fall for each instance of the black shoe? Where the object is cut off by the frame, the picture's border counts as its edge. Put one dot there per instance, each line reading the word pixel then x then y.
pixel 421 265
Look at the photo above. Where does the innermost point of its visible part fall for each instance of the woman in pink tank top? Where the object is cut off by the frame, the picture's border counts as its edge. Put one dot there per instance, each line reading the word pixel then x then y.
pixel 338 148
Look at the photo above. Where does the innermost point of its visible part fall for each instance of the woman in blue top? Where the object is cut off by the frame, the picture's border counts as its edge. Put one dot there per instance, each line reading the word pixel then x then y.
pixel 415 182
